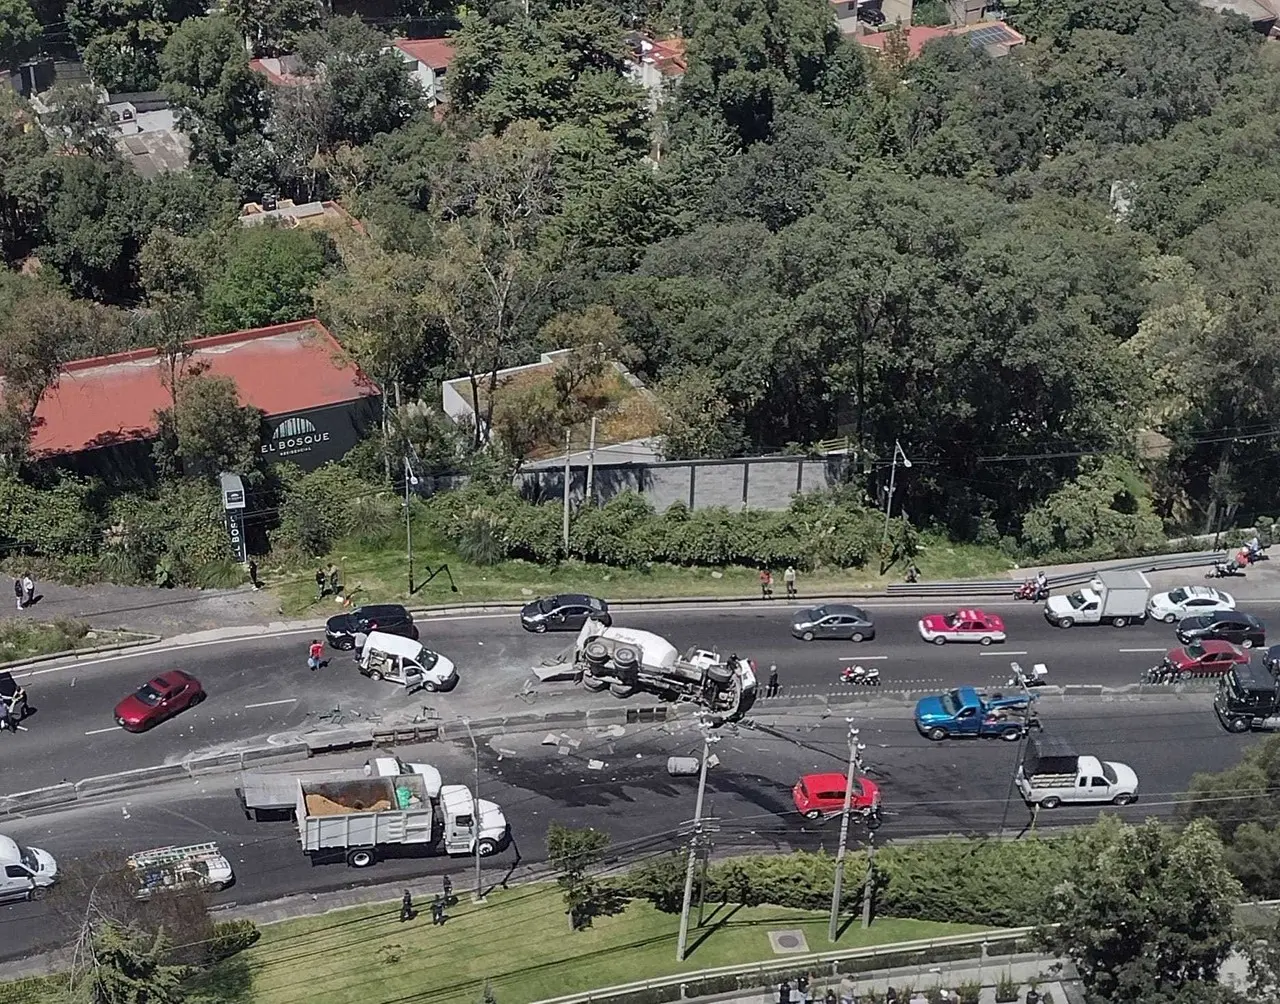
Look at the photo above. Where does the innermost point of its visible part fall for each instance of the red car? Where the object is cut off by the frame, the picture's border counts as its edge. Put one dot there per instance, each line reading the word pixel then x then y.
pixel 963 625
pixel 1203 658
pixel 157 700
pixel 818 795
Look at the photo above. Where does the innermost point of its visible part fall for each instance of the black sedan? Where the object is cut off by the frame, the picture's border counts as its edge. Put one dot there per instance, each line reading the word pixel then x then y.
pixel 389 618
pixel 1240 629
pixel 566 612
pixel 842 621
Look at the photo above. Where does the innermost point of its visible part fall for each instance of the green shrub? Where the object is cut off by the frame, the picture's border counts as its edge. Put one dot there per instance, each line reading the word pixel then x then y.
pixel 1006 989
pixel 322 506
pixel 55 520
pixel 231 937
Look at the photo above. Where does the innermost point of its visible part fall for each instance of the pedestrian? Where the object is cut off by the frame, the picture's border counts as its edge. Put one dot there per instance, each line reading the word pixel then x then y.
pixel 830 996
pixel 437 910
pixel 802 987
pixel 253 575
pixel 766 584
pixel 784 992
pixel 848 990
pixel 772 689
pixel 913 573
pixel 789 577
pixel 29 589
pixel 406 906
pixel 315 654
pixel 320 584
pixel 335 581
pixel 17 591
pixel 447 883
pixel 358 646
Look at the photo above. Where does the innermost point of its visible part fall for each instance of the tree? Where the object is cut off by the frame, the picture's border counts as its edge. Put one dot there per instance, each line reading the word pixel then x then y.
pixel 77 113
pixel 594 340
pixel 273 26
pixel 1105 511
pixel 207 430
pixel 697 420
pixel 19 32
pixel 1153 913
pixel 205 72
pixel 126 966
pixel 490 266
pixel 266 278
pixel 572 854
pixel 299 130
pixel 121 40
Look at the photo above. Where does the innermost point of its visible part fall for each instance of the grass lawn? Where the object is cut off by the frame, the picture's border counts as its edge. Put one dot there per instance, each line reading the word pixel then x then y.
pixel 23 639
pixel 519 942
pixel 381 575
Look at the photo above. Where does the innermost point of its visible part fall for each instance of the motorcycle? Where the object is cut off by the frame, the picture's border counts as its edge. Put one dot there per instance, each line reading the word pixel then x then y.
pixel 1224 570
pixel 1161 675
pixel 1038 676
pixel 861 676
pixel 1032 590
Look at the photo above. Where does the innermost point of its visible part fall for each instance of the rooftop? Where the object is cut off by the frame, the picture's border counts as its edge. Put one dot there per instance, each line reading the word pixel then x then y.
pixel 436 53
pixel 309 214
pixel 283 71
pixel 996 37
pixel 113 399
pixel 667 56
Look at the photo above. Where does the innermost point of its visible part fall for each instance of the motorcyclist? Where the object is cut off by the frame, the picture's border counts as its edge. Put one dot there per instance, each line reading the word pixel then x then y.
pixel 1042 583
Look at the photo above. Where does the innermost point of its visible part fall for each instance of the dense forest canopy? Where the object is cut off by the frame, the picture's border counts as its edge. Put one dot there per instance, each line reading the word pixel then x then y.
pixel 1047 275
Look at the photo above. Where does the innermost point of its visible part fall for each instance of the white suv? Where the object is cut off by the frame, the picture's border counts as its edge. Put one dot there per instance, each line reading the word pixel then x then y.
pixel 1187 601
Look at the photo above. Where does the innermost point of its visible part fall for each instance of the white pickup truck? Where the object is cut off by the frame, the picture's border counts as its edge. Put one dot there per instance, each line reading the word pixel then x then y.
pixel 1051 773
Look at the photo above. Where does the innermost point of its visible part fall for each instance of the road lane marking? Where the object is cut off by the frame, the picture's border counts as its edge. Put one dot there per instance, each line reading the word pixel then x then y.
pixel 98 732
pixel 1002 652
pixel 272 704
pixel 1144 650
pixel 861 658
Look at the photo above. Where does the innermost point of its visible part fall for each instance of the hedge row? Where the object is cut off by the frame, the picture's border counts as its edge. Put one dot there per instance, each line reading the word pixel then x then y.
pixel 990 883
pixel 829 529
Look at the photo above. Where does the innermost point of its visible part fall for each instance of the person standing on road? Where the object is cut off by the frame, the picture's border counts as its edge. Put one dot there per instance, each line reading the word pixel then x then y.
pixel 789 577
pixel 772 689
pixel 28 589
pixel 315 654
pixel 320 584
pixel 17 592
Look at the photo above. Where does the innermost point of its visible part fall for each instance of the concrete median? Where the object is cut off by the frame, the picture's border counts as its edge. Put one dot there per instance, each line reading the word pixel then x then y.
pixel 38 798
pixel 339 740
pixel 129 779
pixel 291 751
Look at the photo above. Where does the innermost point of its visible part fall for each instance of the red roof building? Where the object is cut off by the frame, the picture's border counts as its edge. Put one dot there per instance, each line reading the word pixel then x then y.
pixel 994 37
pixel 429 60
pixel 315 399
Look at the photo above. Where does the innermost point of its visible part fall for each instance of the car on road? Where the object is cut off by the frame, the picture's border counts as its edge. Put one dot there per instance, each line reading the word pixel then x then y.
pixel 963 625
pixel 565 612
pixel 1204 658
pixel 818 795
pixel 1188 601
pixel 158 699
pixel 842 621
pixel 1240 629
pixel 390 618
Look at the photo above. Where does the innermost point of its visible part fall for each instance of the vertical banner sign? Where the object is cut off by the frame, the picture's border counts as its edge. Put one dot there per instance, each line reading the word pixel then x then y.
pixel 233 502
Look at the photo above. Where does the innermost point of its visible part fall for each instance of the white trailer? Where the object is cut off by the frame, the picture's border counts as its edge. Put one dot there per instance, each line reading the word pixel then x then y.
pixel 1117 597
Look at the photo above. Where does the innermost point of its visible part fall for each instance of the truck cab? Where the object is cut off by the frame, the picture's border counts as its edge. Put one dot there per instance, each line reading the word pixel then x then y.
pixel 457 811
pixel 966 712
pixel 1052 773
pixel 27 871
pixel 1248 699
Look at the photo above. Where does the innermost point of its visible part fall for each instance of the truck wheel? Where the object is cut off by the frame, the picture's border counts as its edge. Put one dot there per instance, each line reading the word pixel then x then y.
pixel 940 640
pixel 375 674
pixel 1122 799
pixel 1052 802
pixel 986 640
pixel 857 636
pixel 807 636
pixel 813 814
pixel 937 734
pixel 621 690
pixel 593 683
pixel 361 857
pixel 1238 725
pixel 1119 621
pixel 1065 622
pixel 1011 735
pixel 487 847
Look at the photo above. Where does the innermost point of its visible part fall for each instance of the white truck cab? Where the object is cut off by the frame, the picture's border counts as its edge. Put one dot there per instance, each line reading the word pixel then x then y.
pixel 28 871
pixel 458 807
pixel 406 662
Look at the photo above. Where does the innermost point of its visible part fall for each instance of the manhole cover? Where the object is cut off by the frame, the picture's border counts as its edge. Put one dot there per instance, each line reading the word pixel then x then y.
pixel 788 942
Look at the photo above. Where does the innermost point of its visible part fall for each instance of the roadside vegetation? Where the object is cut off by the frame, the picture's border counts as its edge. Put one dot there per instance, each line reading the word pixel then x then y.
pixel 26 639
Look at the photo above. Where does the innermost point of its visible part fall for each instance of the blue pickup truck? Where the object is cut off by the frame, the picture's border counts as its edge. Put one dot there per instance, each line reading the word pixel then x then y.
pixel 967 712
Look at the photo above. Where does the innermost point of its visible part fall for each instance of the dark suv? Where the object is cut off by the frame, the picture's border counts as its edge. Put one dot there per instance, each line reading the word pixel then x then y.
pixel 390 618
pixel 1240 629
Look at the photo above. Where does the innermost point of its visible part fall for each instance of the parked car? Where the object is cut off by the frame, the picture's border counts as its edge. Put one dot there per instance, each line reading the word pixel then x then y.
pixel 1187 601
pixel 842 621
pixel 1240 629
pixel 1203 658
pixel 963 625
pixel 818 795
pixel 158 699
pixel 390 618
pixel 565 612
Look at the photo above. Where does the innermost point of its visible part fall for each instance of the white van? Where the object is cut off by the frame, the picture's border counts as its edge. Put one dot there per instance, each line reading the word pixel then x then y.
pixel 404 661
pixel 28 871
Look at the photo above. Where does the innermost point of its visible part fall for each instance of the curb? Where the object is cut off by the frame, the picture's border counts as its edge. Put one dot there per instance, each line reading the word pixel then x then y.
pixel 35 660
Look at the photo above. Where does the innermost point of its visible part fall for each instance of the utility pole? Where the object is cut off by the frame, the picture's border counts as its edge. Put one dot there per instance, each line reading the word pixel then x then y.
pixel 409 479
pixel 893 471
pixel 869 884
pixel 478 895
pixel 566 492
pixel 695 841
pixel 855 768
pixel 591 465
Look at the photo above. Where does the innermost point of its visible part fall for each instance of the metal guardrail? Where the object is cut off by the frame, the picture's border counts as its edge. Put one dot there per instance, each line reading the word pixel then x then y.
pixel 797 962
pixel 996 587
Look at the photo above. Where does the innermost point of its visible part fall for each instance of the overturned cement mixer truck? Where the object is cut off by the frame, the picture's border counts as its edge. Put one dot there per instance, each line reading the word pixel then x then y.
pixel 626 660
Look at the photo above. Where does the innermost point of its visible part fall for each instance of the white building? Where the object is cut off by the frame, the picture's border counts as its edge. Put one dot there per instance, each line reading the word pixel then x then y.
pixel 429 60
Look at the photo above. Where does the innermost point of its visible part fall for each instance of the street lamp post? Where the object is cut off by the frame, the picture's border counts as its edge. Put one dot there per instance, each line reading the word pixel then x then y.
pixel 409 480
pixel 478 897
pixel 893 470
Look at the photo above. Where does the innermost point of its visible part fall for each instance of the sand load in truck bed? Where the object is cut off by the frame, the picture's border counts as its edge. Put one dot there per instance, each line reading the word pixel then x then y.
pixel 318 805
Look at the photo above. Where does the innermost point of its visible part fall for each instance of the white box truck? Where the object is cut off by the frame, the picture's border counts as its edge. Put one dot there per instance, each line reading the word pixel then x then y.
pixel 371 818
pixel 25 872
pixel 1118 597
pixel 1052 773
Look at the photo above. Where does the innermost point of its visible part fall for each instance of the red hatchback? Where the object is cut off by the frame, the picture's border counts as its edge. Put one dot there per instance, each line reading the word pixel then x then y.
pixel 157 700
pixel 1204 658
pixel 818 795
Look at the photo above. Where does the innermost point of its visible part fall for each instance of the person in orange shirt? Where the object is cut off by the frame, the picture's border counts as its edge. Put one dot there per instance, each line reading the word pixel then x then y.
pixel 766 585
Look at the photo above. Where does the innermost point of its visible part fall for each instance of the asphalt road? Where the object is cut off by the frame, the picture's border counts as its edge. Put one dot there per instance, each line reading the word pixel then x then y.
pixel 263 688
pixel 929 788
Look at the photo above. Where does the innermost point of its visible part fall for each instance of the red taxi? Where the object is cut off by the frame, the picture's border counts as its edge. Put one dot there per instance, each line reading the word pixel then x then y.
pixel 818 795
pixel 963 625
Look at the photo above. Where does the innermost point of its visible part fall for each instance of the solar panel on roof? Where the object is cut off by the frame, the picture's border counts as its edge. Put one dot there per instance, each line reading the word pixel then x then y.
pixel 993 35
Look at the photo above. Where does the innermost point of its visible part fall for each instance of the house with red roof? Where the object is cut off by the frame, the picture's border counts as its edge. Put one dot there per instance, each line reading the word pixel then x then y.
pixel 657 64
pixel 316 402
pixel 429 60
pixel 994 37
